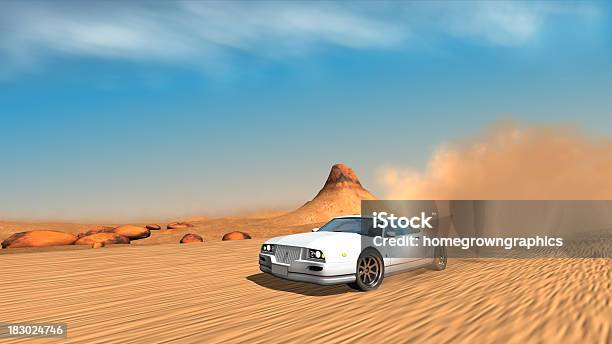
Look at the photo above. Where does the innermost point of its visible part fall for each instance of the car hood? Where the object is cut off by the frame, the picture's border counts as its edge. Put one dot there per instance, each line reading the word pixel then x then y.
pixel 317 240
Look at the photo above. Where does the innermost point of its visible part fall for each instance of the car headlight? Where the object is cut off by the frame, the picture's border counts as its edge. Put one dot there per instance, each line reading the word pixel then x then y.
pixel 267 248
pixel 316 255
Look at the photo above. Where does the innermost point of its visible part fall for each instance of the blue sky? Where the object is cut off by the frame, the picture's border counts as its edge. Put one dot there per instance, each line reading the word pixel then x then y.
pixel 159 109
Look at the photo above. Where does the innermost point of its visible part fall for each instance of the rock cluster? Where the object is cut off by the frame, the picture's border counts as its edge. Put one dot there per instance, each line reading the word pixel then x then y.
pixel 97 236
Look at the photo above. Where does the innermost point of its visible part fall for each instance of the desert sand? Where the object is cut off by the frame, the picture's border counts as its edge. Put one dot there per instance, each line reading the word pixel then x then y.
pixel 215 293
pixel 155 290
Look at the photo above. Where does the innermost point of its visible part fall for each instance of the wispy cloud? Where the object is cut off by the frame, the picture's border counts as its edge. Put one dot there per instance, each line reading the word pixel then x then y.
pixel 506 23
pixel 200 32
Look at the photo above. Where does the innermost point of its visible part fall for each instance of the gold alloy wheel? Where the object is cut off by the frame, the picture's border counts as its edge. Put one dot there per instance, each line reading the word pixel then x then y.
pixel 369 270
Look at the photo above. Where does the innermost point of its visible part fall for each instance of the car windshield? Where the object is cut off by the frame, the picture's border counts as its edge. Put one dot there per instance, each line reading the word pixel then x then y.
pixel 358 225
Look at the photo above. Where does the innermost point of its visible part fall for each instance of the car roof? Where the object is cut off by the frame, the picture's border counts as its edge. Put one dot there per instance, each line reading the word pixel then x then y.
pixel 355 216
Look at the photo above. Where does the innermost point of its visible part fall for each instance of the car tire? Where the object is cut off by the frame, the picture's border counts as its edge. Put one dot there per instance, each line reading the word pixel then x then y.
pixel 440 258
pixel 370 270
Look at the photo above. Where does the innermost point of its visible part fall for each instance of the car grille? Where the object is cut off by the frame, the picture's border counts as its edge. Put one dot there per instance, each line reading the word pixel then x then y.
pixel 287 254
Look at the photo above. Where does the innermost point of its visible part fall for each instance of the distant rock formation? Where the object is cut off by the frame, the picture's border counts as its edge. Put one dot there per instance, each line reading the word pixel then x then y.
pixel 179 225
pixel 236 235
pixel 153 227
pixel 342 176
pixel 191 238
pixel 39 238
pixel 341 194
pixel 102 239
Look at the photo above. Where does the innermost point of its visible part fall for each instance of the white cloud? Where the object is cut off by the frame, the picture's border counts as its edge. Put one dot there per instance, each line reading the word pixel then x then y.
pixel 246 25
pixel 198 32
pixel 505 23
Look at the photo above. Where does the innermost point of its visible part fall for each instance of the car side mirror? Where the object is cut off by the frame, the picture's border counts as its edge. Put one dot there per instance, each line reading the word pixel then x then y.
pixel 314 229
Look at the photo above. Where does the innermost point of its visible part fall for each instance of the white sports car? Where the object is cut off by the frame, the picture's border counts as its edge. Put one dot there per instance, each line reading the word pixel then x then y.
pixel 342 251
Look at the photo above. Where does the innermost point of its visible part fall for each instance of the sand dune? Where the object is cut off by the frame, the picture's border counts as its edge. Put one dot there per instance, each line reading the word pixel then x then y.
pixel 214 293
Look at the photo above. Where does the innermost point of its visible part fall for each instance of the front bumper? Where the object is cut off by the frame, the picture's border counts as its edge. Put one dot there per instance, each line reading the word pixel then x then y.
pixel 300 271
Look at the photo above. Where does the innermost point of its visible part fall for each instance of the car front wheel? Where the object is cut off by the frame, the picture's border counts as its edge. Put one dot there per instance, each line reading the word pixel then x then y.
pixel 370 270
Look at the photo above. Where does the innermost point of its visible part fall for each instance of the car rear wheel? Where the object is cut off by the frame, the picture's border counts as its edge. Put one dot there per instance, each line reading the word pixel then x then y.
pixel 370 270
pixel 440 258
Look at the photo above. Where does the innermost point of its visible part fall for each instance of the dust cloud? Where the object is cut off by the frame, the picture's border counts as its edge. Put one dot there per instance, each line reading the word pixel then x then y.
pixel 510 162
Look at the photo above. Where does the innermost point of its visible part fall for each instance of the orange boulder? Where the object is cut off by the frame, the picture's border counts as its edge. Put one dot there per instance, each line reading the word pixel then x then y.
pixel 39 238
pixel 191 238
pixel 102 239
pixel 132 232
pixel 179 225
pixel 96 229
pixel 153 227
pixel 236 236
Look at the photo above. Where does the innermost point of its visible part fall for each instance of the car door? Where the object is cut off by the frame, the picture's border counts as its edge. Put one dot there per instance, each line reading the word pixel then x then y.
pixel 413 249
pixel 369 233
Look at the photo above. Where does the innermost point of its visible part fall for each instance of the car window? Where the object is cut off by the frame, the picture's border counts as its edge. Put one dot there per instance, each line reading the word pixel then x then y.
pixel 356 225
pixel 400 231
